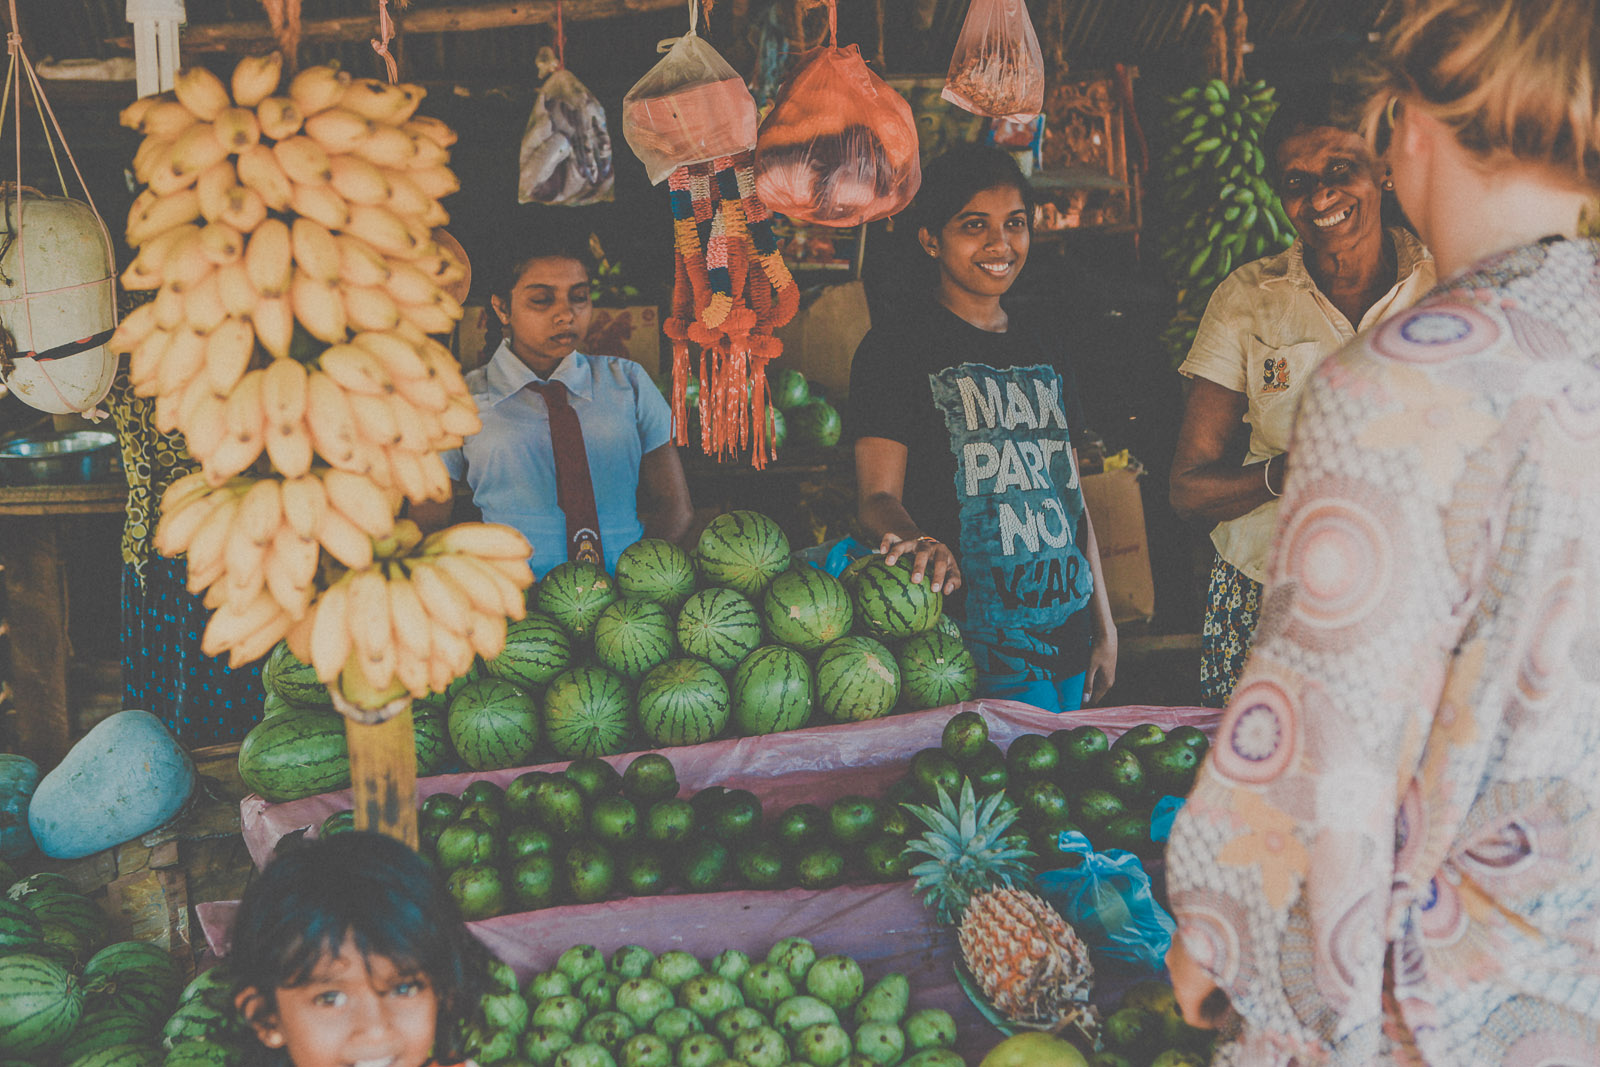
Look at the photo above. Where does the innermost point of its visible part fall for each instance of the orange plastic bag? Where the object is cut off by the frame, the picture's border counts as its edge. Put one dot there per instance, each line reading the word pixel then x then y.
pixel 839 147
pixel 997 69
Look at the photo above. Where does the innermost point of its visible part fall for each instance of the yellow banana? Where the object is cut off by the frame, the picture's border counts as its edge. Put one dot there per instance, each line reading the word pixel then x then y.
pixel 144 362
pixel 452 657
pixel 460 418
pixel 133 115
pixel 298 636
pixel 243 209
pixel 406 474
pixel 318 88
pixel 201 91
pixel 398 359
pixel 429 318
pixel 436 181
pixel 515 571
pixel 344 540
pixel 138 276
pixel 245 417
pixel 260 643
pixel 318 307
pixel 150 218
pixel 228 350
pixel 202 304
pixel 338 130
pixel 183 359
pixel 205 421
pixel 242 563
pixel 332 426
pixel 151 156
pixel 283 392
pixel 369 615
pixel 303 160
pixel 370 308
pixel 280 117
pixel 405 536
pixel 321 203
pixel 481 588
pixel 412 628
pixel 315 251
pixel 380 101
pixel 431 128
pixel 357 180
pixel 237 128
pixel 166 119
pixel 269 258
pixel 304 501
pixel 486 540
pixel 488 635
pixel 291 570
pixel 427 153
pixel 408 285
pixel 196 148
pixel 256 77
pixel 207 543
pixel 355 369
pixel 383 230
pixel 447 604
pixel 273 319
pixel 330 632
pixel 185 491
pixel 235 290
pixel 153 255
pixel 135 326
pixel 261 512
pixel 360 501
pixel 440 487
pixel 405 198
pixel 179 525
pixel 373 461
pixel 434 215
pixel 359 263
pixel 235 628
pixel 258 169
pixel 220 243
pixel 415 432
pixel 374 419
pixel 168 307
pixel 212 187
pixel 288 446
pixel 387 146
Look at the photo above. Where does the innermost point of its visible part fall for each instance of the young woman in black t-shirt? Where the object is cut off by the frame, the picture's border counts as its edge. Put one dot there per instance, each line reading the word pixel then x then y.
pixel 963 457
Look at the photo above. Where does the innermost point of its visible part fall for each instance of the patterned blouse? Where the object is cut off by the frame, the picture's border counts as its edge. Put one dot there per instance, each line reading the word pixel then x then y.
pixel 152 461
pixel 1392 855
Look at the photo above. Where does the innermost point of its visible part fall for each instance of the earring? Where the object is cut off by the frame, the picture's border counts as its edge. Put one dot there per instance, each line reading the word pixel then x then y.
pixel 1388 185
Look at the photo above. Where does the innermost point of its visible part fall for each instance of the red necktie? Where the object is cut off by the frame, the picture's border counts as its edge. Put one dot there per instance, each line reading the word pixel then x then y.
pixel 574 488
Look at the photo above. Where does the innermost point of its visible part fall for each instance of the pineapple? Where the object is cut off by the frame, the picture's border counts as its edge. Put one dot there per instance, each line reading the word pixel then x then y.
pixel 1030 964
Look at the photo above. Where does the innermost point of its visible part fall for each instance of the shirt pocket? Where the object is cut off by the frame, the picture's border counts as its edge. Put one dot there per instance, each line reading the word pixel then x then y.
pixel 1276 374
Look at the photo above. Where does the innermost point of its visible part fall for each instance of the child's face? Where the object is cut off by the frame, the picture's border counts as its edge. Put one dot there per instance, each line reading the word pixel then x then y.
pixel 354 1012
pixel 982 249
pixel 547 313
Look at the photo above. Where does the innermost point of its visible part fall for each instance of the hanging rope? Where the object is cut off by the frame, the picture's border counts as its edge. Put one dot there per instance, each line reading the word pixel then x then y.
pixel 284 16
pixel 561 38
pixel 380 43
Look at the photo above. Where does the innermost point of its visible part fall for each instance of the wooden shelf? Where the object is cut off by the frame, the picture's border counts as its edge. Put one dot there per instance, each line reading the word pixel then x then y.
pixel 100 498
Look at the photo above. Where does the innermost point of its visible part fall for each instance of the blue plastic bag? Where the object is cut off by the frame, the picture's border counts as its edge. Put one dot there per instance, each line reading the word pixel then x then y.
pixel 1107 899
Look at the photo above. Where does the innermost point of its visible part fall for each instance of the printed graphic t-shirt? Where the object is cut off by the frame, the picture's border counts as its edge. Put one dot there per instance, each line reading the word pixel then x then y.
pixel 987 420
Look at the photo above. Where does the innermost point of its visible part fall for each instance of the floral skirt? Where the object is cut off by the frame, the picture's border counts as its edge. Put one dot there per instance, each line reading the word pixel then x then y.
pixel 164 672
pixel 1233 607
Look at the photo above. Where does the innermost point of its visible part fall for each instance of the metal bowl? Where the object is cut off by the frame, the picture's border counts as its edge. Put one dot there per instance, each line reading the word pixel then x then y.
pixel 59 459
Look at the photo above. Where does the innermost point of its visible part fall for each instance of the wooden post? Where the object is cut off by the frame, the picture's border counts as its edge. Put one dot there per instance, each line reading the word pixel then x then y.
pixel 383 773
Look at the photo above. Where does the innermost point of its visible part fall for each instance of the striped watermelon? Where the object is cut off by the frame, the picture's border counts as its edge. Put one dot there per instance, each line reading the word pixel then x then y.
pixel 40 1003
pixel 104 1027
pixel 19 928
pixel 128 1055
pixel 586 713
pixel 805 608
pixel 853 571
pixel 889 604
pixel 295 755
pixel 935 670
pixel 857 679
pixel 947 625
pixel 40 882
pixel 743 550
pixel 293 682
pixel 574 594
pixel 719 626
pixel 493 724
pixel 656 570
pixel 771 691
pixel 631 636
pixel 71 920
pixel 205 1054
pixel 135 956
pixel 430 733
pixel 537 649
pixel 683 702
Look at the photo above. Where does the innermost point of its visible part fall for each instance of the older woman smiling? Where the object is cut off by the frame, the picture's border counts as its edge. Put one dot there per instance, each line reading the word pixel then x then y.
pixel 1268 325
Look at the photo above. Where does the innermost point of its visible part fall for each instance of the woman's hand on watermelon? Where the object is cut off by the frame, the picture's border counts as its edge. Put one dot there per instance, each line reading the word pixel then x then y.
pixel 929 558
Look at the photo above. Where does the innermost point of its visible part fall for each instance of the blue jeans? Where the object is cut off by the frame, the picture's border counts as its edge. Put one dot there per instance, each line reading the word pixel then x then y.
pixel 1051 694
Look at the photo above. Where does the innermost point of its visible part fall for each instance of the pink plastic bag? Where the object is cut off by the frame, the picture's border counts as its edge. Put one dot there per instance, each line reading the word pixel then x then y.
pixel 691 107
pixel 997 69
pixel 840 146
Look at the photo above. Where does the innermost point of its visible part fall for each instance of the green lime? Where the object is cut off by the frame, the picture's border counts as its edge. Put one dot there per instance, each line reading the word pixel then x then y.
pixel 491 814
pixel 903 790
pixel 1121 772
pixel 1046 845
pixel 614 820
pixel 650 778
pixel 340 822
pixel 737 816
pixel 884 859
pixel 896 821
pixel 964 735
pixel 666 822
pixel 706 801
pixel 853 819
pixel 1192 736
pixel 440 810
pixel 1044 805
pixel 988 772
pixel 1031 756
pixel 524 841
pixel 484 791
pixel 534 882
pixel 800 826
pixel 594 777
pixel 519 794
pixel 478 891
pixel 1097 807
pixel 760 865
pixel 464 843
pixel 1170 767
pixel 1078 748
pixel 643 873
pixel 558 806
pixel 590 871
pixel 703 864
pixel 1141 738
pixel 932 772
pixel 820 867
pixel 1133 1031
pixel 1129 832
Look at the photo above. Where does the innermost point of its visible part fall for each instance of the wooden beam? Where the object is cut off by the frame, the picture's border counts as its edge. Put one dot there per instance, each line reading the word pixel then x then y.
pixel 243 36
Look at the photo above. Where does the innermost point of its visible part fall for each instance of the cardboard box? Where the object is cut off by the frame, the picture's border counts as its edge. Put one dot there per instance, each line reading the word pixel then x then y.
pixel 1117 511
pixel 821 340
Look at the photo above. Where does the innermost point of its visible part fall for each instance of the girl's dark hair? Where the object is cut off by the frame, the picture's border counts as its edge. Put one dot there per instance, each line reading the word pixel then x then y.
pixel 379 894
pixel 953 178
pixel 513 258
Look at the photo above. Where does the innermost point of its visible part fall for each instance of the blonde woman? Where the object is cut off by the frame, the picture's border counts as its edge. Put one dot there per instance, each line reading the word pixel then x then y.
pixel 1392 855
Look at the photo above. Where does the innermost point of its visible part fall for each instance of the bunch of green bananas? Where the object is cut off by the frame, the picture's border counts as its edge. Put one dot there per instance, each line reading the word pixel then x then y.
pixel 1223 212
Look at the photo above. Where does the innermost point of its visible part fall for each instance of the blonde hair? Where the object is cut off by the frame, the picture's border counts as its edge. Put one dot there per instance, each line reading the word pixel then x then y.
pixel 1516 79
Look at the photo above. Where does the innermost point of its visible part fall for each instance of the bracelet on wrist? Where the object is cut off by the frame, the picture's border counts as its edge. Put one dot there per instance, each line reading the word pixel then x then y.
pixel 926 540
pixel 1266 476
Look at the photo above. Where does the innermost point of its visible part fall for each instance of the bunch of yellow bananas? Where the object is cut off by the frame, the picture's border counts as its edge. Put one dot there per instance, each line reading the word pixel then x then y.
pixel 415 618
pixel 289 239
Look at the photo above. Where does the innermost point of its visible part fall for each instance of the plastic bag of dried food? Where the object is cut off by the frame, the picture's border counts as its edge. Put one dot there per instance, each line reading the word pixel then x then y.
pixel 691 107
pixel 839 147
pixel 566 149
pixel 997 68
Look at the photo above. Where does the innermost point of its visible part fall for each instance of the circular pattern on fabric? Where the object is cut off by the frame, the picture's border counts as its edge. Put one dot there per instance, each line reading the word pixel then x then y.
pixel 1442 918
pixel 1216 931
pixel 1577 408
pixel 1341 560
pixel 1549 649
pixel 1527 1031
pixel 1436 333
pixel 1256 740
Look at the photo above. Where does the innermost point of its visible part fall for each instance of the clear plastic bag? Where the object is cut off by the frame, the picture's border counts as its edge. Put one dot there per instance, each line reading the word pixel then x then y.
pixel 691 107
pixel 997 69
pixel 840 146
pixel 1107 899
pixel 566 148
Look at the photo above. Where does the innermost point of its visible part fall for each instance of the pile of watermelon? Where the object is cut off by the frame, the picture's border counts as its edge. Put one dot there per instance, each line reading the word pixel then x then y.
pixel 67 998
pixel 798 413
pixel 736 639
